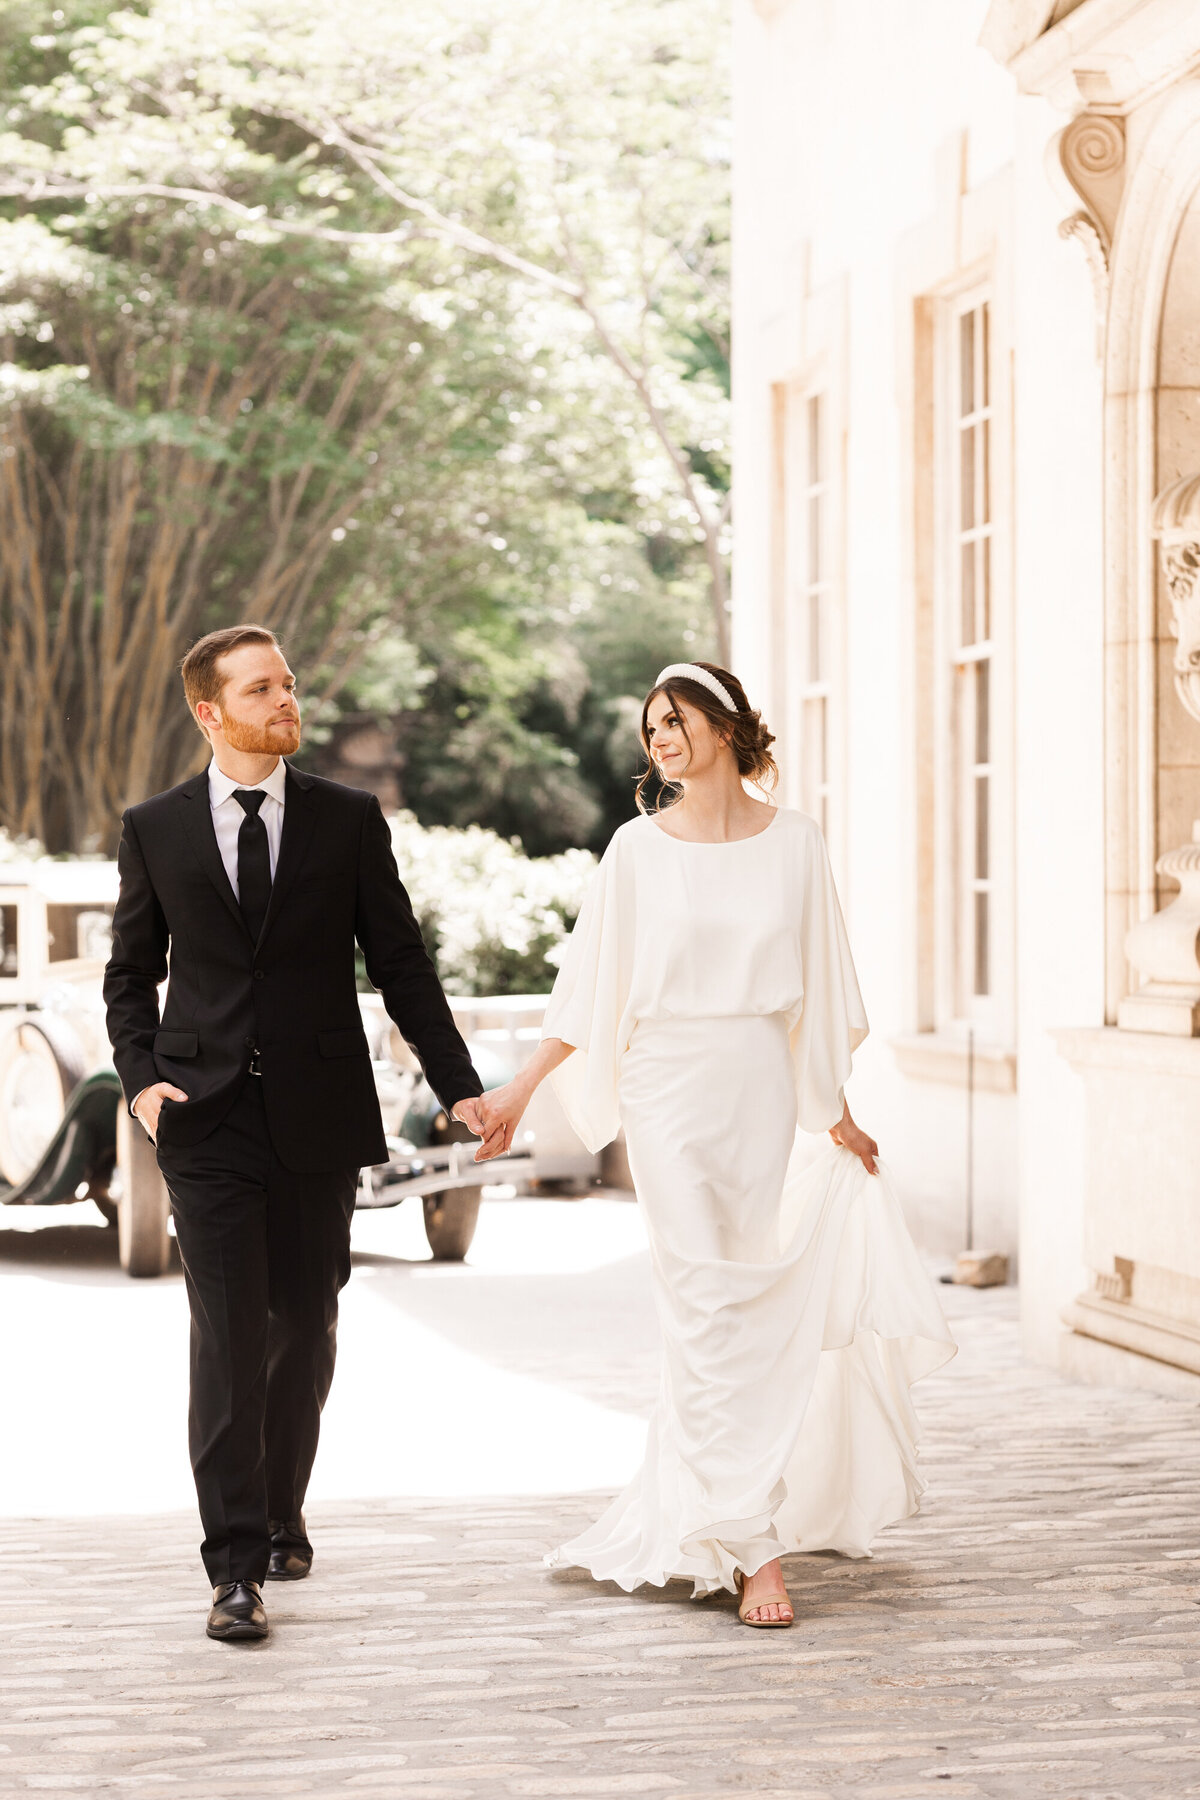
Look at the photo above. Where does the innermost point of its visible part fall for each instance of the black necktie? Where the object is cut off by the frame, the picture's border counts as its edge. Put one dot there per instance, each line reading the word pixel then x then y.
pixel 254 861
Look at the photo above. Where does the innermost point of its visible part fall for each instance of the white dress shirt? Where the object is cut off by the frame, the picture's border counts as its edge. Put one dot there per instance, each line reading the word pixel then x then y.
pixel 227 814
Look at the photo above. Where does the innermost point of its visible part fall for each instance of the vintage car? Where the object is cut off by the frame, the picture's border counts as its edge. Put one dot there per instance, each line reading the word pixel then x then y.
pixel 55 930
pixel 66 1135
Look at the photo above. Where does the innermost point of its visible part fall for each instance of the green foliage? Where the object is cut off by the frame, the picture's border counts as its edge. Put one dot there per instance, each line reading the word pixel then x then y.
pixel 494 919
pixel 240 377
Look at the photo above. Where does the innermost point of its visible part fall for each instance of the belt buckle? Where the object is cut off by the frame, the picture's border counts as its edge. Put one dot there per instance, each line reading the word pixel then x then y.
pixel 255 1066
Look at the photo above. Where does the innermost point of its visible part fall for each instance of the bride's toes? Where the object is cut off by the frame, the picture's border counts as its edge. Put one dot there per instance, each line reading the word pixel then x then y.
pixel 774 1609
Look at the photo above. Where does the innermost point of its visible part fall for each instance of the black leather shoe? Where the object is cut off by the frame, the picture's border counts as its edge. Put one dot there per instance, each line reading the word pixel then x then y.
pixel 291 1552
pixel 237 1612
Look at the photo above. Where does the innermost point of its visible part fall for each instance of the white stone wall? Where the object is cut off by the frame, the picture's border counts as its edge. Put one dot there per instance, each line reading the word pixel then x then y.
pixel 1060 720
pixel 879 149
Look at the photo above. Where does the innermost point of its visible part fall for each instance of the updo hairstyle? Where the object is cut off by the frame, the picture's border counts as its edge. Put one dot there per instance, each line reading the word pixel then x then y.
pixel 748 737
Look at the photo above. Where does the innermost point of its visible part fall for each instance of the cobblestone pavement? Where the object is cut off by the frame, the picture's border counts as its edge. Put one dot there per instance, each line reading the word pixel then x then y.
pixel 1036 1631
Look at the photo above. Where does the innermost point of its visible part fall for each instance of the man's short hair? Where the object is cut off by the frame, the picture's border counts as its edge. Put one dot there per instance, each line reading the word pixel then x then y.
pixel 203 677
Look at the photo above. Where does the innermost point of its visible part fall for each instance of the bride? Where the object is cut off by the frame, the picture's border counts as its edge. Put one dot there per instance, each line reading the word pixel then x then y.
pixel 707 1002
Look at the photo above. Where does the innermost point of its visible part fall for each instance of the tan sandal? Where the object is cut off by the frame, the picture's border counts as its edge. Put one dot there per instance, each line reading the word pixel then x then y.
pixel 780 1599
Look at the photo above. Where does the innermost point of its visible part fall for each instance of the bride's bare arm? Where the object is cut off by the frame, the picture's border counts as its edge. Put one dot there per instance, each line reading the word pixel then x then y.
pixel 502 1107
pixel 855 1138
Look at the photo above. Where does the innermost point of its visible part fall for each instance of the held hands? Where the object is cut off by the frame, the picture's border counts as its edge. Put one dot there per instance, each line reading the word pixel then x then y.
pixel 853 1137
pixel 148 1105
pixel 471 1114
pixel 494 1116
pixel 499 1113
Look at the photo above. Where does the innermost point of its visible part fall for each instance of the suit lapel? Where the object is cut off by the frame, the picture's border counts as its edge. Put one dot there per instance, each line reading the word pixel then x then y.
pixel 197 822
pixel 299 816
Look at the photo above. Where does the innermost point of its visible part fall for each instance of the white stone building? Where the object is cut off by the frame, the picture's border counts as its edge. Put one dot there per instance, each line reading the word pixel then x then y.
pixel 967 399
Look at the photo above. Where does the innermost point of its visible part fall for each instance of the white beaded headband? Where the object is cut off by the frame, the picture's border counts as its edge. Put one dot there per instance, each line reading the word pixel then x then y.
pixel 693 672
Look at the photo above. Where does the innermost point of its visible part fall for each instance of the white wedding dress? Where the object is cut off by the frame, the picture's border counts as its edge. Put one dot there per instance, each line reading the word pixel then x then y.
pixel 711 997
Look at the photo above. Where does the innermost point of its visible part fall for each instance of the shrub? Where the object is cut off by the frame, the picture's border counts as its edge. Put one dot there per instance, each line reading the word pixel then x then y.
pixel 495 919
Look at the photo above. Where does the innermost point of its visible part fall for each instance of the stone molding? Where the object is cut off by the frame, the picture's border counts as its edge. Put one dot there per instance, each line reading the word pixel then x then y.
pixel 1099 1364
pixel 1088 1047
pixel 1096 1314
pixel 940 1057
pixel 1155 1312
pixel 1109 55
pixel 1013 25
pixel 1139 1243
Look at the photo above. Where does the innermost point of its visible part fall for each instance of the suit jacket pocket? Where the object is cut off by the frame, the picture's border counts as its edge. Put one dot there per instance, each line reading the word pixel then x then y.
pixel 176 1043
pixel 350 1040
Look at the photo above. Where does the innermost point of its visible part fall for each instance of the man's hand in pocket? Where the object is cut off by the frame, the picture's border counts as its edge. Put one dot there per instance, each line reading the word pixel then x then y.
pixel 148 1105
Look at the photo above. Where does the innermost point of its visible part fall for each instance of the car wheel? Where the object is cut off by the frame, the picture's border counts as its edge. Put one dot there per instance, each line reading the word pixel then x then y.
pixel 450 1221
pixel 41 1063
pixel 143 1205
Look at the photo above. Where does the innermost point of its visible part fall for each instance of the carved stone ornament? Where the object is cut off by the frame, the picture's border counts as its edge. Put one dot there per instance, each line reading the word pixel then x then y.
pixel 1176 524
pixel 1165 948
pixel 1092 152
pixel 1082 227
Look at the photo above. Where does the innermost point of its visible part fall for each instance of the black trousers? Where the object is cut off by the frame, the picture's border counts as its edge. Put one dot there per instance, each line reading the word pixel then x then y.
pixel 265 1254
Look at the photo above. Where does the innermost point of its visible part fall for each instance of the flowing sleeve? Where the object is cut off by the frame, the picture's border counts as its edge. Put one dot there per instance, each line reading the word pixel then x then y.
pixel 589 1005
pixel 832 1022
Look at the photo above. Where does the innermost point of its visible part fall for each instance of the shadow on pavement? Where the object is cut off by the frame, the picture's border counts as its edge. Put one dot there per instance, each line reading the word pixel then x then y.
pixel 549 1326
pixel 68 1250
pixel 379 1259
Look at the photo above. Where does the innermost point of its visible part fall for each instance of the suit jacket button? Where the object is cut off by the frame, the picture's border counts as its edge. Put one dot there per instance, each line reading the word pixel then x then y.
pixel 258 974
pixel 249 1043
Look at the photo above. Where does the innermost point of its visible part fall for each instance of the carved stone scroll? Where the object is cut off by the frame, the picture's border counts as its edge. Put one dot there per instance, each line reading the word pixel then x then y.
pixel 1092 152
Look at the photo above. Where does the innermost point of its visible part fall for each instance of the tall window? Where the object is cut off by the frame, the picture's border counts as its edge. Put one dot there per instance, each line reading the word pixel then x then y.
pixel 809 655
pixel 971 660
pixel 815 622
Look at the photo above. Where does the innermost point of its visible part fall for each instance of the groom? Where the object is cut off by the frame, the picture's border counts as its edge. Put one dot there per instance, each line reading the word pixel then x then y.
pixel 256 1086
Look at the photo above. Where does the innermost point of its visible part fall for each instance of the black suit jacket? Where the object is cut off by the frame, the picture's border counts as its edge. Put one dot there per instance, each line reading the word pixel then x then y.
pixel 292 994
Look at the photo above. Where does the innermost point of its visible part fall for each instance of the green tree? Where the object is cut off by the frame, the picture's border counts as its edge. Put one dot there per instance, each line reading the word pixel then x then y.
pixel 406 325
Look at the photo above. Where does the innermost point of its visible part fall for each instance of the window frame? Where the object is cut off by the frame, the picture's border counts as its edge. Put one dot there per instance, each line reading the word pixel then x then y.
pixel 812 578
pixel 813 607
pixel 968 884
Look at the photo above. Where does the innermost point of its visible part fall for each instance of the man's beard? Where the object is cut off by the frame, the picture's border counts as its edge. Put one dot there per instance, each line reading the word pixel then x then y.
pixel 261 740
